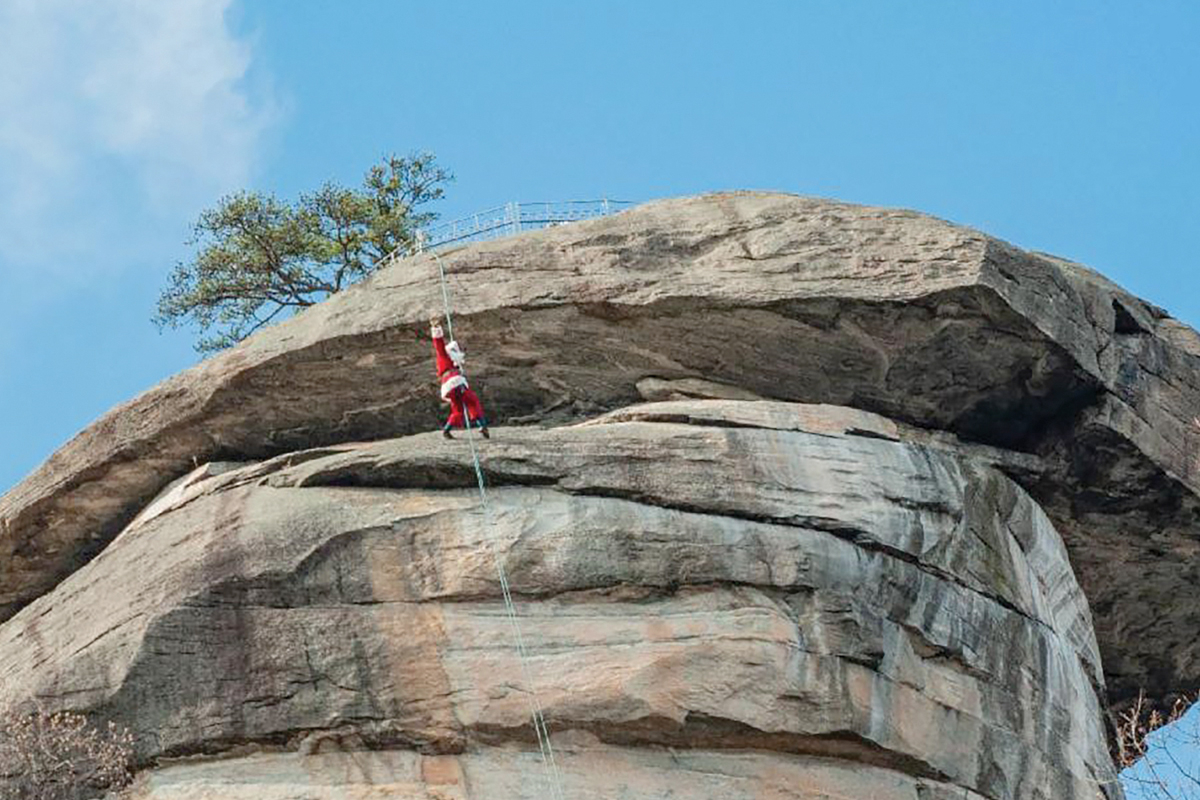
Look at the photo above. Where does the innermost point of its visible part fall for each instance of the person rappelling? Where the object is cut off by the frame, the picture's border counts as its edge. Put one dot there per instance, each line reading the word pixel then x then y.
pixel 466 410
pixel 449 359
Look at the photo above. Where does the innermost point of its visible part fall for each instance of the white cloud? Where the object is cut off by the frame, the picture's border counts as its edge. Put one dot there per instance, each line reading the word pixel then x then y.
pixel 115 111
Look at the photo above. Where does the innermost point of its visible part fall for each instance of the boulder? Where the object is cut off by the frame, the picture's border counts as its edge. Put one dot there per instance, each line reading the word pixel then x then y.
pixel 719 598
pixel 730 295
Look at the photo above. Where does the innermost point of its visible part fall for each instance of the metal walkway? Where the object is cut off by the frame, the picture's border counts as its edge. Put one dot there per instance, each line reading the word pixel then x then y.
pixel 513 218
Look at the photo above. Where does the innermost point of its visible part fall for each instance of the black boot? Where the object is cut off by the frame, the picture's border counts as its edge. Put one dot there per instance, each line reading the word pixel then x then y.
pixel 446 432
pixel 485 432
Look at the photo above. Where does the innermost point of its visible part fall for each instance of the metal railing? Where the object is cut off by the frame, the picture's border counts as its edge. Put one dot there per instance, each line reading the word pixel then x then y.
pixel 513 218
pixel 506 220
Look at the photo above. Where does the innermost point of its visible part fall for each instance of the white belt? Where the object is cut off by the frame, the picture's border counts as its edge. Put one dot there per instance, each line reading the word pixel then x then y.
pixel 451 384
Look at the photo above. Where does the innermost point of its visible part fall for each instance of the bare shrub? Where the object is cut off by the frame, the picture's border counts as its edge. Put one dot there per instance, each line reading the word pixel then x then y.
pixel 1148 744
pixel 61 756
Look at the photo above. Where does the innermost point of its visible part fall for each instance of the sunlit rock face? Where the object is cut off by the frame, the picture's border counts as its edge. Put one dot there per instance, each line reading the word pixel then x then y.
pixel 800 598
pixel 849 547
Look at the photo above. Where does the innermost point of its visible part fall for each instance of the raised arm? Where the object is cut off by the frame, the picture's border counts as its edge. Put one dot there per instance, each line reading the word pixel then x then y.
pixel 439 347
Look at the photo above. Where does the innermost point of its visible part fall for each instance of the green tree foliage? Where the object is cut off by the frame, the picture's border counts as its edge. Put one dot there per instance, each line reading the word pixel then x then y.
pixel 259 257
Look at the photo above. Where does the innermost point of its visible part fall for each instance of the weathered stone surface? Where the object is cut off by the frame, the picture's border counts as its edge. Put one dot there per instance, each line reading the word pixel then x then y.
pixel 659 389
pixel 725 598
pixel 776 296
pixel 769 415
pixel 721 599
pixel 607 773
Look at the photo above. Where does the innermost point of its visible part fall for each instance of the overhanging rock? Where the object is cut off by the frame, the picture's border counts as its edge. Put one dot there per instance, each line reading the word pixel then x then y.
pixel 788 298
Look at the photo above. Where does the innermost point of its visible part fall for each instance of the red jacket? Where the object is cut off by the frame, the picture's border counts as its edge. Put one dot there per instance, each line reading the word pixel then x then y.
pixel 449 373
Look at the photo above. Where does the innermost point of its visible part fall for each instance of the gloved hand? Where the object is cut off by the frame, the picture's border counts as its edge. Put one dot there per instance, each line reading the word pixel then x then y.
pixel 456 353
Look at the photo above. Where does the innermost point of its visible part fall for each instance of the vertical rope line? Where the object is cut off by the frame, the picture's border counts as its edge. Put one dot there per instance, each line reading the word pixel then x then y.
pixel 445 298
pixel 540 728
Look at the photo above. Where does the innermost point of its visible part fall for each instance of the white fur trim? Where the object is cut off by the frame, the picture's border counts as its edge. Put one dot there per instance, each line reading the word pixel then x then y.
pixel 450 384
pixel 456 354
pixel 436 332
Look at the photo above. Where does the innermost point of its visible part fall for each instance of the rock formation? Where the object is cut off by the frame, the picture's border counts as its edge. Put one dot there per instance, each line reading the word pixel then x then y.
pixel 847 549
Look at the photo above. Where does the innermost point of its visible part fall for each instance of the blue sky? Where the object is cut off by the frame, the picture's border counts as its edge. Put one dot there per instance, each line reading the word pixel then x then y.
pixel 1071 127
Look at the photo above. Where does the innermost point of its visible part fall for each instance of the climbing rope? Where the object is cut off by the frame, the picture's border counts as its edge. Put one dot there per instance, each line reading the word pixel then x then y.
pixel 549 763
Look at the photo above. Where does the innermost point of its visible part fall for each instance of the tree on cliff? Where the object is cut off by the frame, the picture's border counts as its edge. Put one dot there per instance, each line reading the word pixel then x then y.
pixel 260 257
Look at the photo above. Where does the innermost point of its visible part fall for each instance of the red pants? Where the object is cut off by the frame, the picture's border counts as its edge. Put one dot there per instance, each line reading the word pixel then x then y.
pixel 465 396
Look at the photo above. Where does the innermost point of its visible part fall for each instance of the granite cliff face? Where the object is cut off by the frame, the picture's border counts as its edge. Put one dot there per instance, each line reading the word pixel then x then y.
pixel 799 499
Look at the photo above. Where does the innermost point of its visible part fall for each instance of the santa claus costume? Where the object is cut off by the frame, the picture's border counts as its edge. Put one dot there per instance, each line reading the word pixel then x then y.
pixel 455 391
